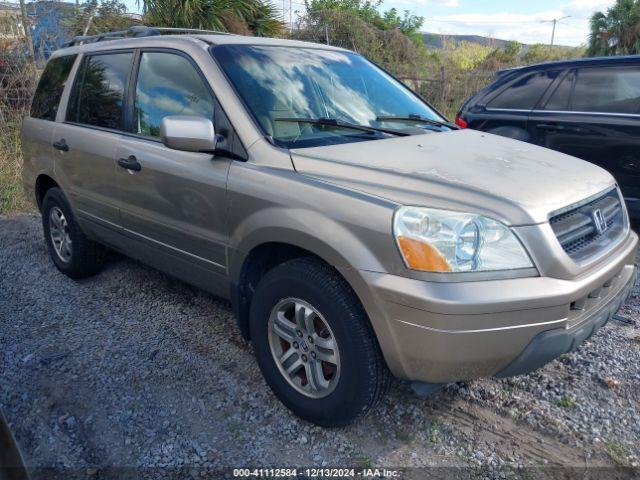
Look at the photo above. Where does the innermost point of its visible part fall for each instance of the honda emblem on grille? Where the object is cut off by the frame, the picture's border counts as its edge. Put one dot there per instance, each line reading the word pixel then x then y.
pixel 599 221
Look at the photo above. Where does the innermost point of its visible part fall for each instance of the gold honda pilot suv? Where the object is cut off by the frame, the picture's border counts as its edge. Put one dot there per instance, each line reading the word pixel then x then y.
pixel 357 232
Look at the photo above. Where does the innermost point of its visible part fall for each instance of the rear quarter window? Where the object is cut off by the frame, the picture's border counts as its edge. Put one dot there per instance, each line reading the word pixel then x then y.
pixel 50 87
pixel 524 93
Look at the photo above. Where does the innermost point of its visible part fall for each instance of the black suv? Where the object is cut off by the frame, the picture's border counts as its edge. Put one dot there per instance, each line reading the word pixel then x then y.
pixel 588 108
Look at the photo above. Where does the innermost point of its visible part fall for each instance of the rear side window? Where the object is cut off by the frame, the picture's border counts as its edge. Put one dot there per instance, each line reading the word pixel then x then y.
pixel 525 92
pixel 607 90
pixel 168 84
pixel 47 97
pixel 99 92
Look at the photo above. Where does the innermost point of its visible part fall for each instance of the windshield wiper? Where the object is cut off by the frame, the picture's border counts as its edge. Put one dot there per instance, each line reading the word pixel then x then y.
pixel 334 122
pixel 417 118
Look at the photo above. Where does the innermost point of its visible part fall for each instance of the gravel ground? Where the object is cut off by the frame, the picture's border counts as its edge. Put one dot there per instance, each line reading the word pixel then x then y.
pixel 133 369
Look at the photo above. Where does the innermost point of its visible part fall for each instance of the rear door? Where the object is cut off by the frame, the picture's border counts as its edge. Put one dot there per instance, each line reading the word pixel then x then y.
pixel 507 111
pixel 88 138
pixel 175 204
pixel 594 114
pixel 38 128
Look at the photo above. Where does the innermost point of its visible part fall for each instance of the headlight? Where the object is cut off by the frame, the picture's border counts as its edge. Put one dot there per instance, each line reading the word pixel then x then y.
pixel 441 241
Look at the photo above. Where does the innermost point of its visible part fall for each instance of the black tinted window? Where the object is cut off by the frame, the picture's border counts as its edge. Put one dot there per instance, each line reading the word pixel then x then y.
pixel 609 90
pixel 49 91
pixel 525 92
pixel 559 100
pixel 168 85
pixel 99 92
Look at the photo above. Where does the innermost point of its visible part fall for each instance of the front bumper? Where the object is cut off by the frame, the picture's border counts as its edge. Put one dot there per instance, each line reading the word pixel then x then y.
pixel 552 343
pixel 448 332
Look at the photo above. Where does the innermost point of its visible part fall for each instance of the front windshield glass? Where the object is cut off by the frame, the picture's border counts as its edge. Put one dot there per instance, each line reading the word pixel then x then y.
pixel 305 83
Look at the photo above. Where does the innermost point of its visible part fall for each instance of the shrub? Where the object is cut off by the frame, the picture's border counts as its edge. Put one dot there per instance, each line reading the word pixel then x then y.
pixel 17 82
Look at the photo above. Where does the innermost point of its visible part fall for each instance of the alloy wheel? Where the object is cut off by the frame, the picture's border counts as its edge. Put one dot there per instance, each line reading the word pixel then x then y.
pixel 59 233
pixel 304 347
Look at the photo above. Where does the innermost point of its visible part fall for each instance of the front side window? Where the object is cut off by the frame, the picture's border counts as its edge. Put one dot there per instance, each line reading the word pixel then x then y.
pixel 525 92
pixel 50 87
pixel 99 93
pixel 168 84
pixel 279 83
pixel 607 90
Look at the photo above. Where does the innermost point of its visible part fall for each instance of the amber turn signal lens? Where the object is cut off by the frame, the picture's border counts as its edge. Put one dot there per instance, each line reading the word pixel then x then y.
pixel 422 256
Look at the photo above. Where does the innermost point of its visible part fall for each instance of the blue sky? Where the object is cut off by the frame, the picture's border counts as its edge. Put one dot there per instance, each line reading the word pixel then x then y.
pixel 521 20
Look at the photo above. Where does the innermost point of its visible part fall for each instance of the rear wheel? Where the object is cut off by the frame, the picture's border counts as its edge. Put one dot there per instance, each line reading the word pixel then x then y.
pixel 314 344
pixel 71 251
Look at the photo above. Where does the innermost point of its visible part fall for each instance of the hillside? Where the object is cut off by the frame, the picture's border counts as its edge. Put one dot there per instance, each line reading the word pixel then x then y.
pixel 437 40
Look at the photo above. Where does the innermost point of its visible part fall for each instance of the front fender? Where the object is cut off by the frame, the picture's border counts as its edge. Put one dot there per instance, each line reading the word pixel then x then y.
pixel 323 236
pixel 333 242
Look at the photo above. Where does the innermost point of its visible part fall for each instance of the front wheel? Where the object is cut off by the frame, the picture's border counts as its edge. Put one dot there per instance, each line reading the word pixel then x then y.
pixel 314 344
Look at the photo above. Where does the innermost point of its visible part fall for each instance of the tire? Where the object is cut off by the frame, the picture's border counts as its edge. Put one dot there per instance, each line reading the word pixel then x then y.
pixel 84 257
pixel 361 377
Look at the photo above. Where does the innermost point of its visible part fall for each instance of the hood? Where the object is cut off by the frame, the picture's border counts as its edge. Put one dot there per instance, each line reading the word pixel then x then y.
pixel 463 170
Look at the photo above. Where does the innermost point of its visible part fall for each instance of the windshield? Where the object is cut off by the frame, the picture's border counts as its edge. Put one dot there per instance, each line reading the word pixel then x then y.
pixel 279 83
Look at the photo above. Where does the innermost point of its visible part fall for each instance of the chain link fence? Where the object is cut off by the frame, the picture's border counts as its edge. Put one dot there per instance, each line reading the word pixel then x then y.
pixel 448 90
pixel 18 77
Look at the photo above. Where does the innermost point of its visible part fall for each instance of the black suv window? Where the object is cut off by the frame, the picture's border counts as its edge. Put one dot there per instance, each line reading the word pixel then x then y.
pixel 98 97
pixel 607 90
pixel 168 84
pixel 559 100
pixel 49 91
pixel 525 92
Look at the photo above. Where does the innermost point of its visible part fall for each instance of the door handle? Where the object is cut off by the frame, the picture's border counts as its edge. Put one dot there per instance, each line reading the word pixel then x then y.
pixel 61 145
pixel 130 163
pixel 552 127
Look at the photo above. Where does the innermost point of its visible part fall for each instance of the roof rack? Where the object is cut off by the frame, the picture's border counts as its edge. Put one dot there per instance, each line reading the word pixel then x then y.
pixel 136 31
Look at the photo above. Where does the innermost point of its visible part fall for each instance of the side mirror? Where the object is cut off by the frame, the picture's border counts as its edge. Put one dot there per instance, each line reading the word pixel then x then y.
pixel 188 133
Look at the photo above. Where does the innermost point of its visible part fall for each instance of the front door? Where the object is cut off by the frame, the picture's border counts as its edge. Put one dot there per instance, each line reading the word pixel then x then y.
pixel 173 203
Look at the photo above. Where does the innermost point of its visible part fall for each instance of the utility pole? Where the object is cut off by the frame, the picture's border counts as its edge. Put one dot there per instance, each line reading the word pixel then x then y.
pixel 287 14
pixel 554 21
pixel 27 30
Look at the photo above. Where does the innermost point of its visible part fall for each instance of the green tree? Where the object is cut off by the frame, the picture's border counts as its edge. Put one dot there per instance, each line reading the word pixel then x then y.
pixel 346 28
pixel 408 24
pixel 369 11
pixel 98 17
pixel 539 53
pixel 257 17
pixel 618 31
pixel 464 56
pixel 365 9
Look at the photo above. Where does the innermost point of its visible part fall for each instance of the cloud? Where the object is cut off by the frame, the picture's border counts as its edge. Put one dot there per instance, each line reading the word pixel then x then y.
pixel 529 28
pixel 590 4
pixel 412 3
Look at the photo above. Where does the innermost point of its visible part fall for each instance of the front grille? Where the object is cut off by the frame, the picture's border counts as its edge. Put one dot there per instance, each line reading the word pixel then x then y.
pixel 587 229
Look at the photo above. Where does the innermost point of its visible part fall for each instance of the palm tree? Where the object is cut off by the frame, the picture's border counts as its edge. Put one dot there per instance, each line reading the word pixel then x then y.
pixel 257 17
pixel 618 31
